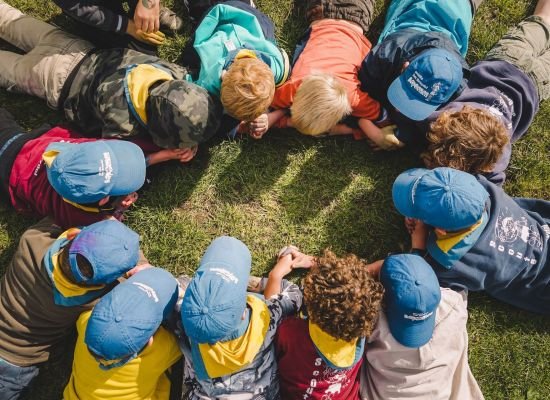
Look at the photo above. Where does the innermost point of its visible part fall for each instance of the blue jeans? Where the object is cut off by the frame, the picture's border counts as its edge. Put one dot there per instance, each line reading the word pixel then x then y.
pixel 15 380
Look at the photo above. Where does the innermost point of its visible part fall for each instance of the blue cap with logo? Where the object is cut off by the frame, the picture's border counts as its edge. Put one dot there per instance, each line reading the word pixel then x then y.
pixel 124 320
pixel 87 172
pixel 442 197
pixel 215 300
pixel 109 246
pixel 411 296
pixel 429 81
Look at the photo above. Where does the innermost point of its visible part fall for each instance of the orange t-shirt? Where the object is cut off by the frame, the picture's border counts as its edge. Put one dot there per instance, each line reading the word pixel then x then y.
pixel 336 47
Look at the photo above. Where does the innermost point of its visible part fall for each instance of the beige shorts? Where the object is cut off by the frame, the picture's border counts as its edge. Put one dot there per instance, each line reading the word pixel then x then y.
pixel 527 46
pixel 51 55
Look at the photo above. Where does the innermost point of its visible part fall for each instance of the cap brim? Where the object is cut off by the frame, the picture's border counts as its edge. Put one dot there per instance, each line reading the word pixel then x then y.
pixel 402 191
pixel 131 167
pixel 407 105
pixel 413 334
pixel 226 250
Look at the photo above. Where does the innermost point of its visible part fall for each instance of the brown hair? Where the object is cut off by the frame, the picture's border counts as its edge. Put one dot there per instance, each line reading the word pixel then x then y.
pixel 247 89
pixel 341 296
pixel 83 264
pixel 471 140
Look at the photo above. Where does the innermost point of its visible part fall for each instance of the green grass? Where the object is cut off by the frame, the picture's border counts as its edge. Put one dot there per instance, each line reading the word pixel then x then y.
pixel 316 194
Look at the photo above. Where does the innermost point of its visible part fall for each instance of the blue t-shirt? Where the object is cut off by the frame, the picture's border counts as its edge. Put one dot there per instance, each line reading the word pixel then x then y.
pixel 451 17
pixel 510 258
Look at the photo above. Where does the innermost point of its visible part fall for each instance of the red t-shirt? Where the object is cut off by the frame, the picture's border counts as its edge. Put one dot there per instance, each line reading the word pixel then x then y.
pixel 303 374
pixel 336 47
pixel 30 190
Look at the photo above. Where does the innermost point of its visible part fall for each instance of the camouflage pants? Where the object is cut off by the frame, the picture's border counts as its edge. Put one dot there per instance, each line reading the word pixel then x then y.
pixel 51 55
pixel 357 11
pixel 527 46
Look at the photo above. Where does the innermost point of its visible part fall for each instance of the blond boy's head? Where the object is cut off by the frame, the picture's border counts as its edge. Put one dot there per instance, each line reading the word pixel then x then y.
pixel 470 140
pixel 247 89
pixel 341 296
pixel 320 103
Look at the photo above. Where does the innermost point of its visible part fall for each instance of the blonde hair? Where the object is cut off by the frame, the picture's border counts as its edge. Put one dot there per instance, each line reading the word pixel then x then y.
pixel 320 103
pixel 470 140
pixel 247 89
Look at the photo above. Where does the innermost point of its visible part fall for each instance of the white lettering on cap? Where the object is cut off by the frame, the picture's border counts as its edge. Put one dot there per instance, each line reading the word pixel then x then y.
pixel 418 316
pixel 106 167
pixel 416 86
pixel 148 290
pixel 225 275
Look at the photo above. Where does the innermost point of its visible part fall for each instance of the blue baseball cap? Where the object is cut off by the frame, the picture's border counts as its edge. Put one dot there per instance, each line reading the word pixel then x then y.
pixel 429 81
pixel 109 246
pixel 215 299
pixel 124 320
pixel 411 296
pixel 87 172
pixel 442 197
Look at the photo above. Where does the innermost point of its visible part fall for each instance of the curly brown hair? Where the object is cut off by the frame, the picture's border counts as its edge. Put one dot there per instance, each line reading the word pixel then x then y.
pixel 341 296
pixel 470 140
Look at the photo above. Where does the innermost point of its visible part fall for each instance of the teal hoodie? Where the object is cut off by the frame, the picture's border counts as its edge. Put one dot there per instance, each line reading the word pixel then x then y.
pixel 227 33
pixel 452 17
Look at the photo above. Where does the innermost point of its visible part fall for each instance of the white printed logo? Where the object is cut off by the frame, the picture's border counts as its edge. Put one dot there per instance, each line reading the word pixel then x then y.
pixel 418 316
pixel 225 275
pixel 106 167
pixel 148 290
pixel 415 80
pixel 508 230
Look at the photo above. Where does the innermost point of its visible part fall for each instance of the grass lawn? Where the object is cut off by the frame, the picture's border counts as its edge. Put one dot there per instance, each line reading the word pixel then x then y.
pixel 315 194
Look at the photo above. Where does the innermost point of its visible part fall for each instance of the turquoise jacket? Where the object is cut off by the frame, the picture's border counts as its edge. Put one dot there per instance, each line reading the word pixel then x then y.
pixel 452 17
pixel 227 33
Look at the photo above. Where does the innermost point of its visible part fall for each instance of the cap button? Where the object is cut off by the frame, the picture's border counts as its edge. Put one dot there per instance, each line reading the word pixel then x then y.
pixel 118 318
pixel 447 188
pixel 60 170
pixel 417 282
pixel 204 310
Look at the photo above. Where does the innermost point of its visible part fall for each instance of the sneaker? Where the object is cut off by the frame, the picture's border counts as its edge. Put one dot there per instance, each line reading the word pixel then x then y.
pixel 169 21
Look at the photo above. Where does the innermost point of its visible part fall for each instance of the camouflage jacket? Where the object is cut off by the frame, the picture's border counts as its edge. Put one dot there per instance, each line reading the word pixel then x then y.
pixel 259 379
pixel 96 102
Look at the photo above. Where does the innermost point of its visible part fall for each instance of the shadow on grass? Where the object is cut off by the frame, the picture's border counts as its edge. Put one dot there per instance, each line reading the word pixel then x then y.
pixel 13 226
pixel 256 168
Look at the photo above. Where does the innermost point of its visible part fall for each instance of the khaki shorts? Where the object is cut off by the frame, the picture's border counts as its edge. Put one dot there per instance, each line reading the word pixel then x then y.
pixel 527 46
pixel 51 55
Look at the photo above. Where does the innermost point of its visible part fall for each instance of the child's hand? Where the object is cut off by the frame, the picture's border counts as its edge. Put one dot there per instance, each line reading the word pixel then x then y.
pixel 301 260
pixel 183 155
pixel 385 139
pixel 146 16
pixel 259 126
pixel 137 268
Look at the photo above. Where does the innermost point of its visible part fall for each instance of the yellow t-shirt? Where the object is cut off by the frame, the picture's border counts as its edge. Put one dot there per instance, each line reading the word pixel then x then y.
pixel 143 378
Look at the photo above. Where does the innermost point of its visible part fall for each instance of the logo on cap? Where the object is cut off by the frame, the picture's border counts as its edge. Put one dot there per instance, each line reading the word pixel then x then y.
pixel 106 167
pixel 418 316
pixel 225 275
pixel 149 291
